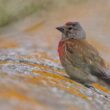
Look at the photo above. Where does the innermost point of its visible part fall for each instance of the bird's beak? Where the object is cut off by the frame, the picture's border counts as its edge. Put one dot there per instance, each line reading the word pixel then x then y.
pixel 60 28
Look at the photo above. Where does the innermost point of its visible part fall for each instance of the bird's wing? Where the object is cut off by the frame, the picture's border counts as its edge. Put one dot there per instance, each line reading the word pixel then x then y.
pixel 84 56
pixel 84 53
pixel 92 56
pixel 98 66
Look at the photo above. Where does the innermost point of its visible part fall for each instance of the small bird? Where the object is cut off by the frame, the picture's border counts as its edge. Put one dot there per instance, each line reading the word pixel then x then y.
pixel 81 60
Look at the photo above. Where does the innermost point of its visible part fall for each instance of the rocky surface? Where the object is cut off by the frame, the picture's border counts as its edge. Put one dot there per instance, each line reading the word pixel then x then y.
pixel 31 77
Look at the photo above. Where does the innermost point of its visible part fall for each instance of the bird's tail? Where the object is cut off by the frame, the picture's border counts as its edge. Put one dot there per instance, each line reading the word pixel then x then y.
pixel 103 75
pixel 106 76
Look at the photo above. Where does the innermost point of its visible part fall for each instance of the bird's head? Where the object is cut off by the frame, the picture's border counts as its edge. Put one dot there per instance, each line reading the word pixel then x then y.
pixel 72 30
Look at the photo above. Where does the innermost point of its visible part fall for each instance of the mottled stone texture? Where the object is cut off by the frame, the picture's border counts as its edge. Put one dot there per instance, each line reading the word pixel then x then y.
pixel 32 78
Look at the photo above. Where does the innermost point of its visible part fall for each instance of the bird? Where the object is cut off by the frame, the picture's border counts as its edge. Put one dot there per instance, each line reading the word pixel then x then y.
pixel 81 61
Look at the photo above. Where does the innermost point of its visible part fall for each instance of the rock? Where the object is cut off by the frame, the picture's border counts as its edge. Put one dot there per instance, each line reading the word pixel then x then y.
pixel 33 79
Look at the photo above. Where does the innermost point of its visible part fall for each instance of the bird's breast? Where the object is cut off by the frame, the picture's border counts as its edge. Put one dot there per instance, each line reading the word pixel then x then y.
pixel 61 48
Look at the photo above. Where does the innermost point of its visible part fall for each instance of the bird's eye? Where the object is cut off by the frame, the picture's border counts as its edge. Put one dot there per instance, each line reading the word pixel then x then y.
pixel 69 28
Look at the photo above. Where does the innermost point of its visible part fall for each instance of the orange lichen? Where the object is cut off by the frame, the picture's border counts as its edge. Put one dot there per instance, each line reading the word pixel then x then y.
pixel 60 82
pixel 49 79
pixel 102 88
pixel 54 79
pixel 16 94
pixel 55 76
pixel 3 62
pixel 13 93
pixel 42 67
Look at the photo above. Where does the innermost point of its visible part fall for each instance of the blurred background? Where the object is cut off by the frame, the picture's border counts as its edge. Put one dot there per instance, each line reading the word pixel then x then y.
pixel 32 23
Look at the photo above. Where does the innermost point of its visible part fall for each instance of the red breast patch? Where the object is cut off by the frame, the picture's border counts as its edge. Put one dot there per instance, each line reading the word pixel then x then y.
pixel 61 48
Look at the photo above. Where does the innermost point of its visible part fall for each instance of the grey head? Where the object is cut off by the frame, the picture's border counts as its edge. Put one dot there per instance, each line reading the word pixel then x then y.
pixel 72 30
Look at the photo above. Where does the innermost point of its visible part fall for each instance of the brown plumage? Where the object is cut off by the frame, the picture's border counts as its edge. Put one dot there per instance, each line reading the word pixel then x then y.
pixel 80 60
